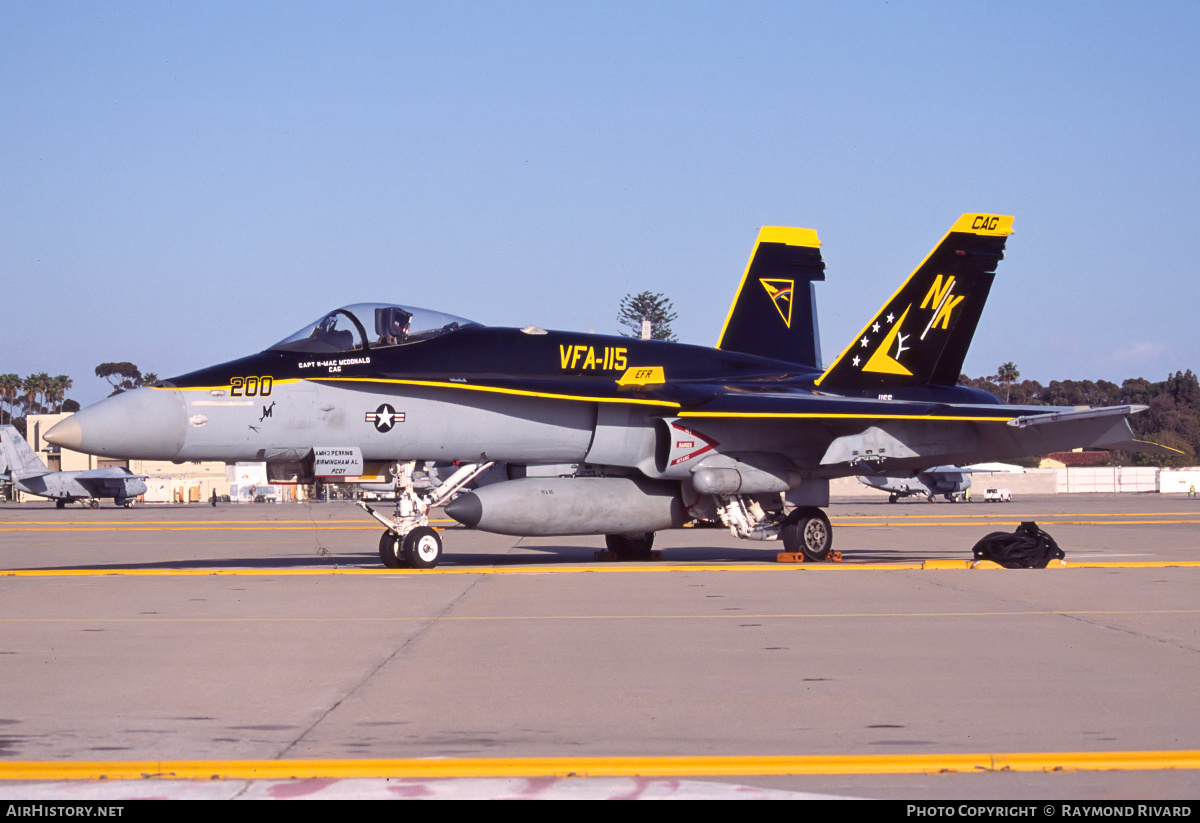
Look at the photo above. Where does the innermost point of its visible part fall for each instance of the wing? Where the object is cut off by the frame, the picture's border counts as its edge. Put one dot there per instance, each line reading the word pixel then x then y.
pixel 106 482
pixel 109 475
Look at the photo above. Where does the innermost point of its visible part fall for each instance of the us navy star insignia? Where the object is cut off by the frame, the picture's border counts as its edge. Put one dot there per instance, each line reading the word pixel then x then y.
pixel 384 418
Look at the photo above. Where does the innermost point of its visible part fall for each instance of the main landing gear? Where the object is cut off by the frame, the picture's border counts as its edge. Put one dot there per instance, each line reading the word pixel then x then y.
pixel 804 531
pixel 409 539
pixel 807 531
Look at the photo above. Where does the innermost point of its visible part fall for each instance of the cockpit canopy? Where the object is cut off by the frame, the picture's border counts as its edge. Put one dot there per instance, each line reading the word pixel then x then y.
pixel 367 326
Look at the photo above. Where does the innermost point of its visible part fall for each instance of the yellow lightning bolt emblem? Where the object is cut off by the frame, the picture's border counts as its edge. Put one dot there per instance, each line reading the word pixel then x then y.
pixel 780 292
pixel 881 361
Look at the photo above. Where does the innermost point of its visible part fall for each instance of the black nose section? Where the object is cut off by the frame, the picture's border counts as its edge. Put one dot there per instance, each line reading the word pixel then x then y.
pixel 466 510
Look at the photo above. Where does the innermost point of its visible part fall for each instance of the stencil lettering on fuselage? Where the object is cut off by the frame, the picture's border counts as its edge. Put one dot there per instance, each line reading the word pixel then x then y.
pixel 589 358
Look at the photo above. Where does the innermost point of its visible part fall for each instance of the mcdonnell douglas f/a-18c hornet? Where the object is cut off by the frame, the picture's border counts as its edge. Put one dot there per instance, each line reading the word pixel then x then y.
pixel 589 434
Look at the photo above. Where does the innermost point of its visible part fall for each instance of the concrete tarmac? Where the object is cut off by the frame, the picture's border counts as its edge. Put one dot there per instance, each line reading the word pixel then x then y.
pixel 271 633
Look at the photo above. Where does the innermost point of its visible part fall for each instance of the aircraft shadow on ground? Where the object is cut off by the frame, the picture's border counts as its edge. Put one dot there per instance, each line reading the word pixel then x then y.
pixel 219 563
pixel 548 556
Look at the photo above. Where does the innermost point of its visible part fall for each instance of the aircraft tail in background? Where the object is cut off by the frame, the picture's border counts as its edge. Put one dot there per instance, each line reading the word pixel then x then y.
pixel 20 459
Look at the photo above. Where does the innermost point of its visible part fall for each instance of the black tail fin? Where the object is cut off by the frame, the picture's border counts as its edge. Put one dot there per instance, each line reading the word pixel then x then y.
pixel 774 313
pixel 922 333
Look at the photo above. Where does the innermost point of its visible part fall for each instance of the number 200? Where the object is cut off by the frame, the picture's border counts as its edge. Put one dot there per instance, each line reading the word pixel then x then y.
pixel 250 386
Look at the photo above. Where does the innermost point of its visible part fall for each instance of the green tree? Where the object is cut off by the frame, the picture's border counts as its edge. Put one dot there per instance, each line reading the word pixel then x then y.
pixel 59 386
pixel 647 306
pixel 121 376
pixel 1006 375
pixel 36 386
pixel 1172 419
pixel 10 388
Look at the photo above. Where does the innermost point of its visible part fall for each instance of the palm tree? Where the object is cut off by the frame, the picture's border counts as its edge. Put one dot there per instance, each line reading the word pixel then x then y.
pixel 37 385
pixel 62 385
pixel 10 386
pixel 30 386
pixel 46 387
pixel 1006 375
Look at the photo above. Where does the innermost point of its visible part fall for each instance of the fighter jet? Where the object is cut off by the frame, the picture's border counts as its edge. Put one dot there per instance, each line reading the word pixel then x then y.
pixel 948 481
pixel 29 474
pixel 592 434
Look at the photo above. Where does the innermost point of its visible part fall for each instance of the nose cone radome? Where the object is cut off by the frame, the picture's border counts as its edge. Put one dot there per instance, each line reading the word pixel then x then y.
pixel 143 424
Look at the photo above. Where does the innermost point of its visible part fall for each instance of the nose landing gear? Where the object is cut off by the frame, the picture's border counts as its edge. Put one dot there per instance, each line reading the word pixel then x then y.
pixel 409 539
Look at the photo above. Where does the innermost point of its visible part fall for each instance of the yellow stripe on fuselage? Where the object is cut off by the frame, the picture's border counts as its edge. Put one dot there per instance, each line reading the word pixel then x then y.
pixel 438 384
pixel 845 416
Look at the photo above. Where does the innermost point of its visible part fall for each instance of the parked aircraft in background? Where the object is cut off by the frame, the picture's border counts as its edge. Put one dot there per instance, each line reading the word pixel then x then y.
pixel 610 435
pixel 29 474
pixel 949 481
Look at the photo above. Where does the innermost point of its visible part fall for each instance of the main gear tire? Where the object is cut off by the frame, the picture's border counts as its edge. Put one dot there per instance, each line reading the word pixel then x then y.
pixel 807 531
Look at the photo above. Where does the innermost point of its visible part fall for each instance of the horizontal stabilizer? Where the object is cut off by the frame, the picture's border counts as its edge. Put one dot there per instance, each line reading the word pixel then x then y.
pixel 1102 428
pixel 1041 419
pixel 1079 415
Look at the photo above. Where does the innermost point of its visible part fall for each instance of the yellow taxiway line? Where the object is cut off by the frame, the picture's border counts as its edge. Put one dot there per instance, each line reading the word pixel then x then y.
pixel 175 527
pixel 608 568
pixel 675 766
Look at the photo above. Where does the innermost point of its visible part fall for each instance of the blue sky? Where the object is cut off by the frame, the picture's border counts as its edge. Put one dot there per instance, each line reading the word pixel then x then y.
pixel 188 182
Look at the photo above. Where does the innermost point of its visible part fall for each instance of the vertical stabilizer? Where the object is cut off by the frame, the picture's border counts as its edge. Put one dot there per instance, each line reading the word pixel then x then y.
pixel 21 460
pixel 774 313
pixel 922 333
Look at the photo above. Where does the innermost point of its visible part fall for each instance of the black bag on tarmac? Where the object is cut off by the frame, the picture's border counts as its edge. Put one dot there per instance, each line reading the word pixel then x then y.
pixel 1027 548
